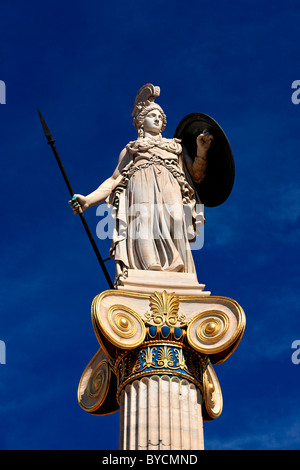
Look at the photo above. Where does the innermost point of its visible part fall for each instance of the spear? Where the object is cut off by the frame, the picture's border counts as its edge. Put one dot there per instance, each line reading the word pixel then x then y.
pixel 51 142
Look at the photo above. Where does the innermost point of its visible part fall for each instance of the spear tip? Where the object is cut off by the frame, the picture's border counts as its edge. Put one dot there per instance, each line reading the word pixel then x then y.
pixel 45 127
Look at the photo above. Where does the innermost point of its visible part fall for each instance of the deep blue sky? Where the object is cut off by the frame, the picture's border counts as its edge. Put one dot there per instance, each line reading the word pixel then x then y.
pixel 82 63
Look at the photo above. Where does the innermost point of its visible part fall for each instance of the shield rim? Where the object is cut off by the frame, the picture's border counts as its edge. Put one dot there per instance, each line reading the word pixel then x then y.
pixel 217 200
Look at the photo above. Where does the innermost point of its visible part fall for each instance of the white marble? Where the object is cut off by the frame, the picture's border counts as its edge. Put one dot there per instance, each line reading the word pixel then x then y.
pixel 161 413
pixel 150 281
pixel 155 205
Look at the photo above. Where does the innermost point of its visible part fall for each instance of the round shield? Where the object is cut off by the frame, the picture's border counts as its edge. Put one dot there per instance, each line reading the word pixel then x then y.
pixel 219 178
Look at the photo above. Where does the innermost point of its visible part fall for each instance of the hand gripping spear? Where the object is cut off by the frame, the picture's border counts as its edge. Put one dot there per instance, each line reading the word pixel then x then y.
pixel 51 142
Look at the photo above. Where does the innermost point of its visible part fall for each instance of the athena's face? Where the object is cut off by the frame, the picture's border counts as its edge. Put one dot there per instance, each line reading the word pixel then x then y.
pixel 153 121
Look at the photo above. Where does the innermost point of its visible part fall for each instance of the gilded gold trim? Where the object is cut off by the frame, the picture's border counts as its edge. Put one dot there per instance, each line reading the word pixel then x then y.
pixel 162 372
pixel 210 340
pixel 98 381
pixel 164 309
pixel 212 393
pixel 218 332
pixel 159 343
pixel 122 322
pixel 98 324
pixel 160 359
pixel 225 301
pixel 102 386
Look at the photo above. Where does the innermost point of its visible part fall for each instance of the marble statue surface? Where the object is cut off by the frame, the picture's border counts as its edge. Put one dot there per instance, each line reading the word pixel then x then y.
pixel 157 211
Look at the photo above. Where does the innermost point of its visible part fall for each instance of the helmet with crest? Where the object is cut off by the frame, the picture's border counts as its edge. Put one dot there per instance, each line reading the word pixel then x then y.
pixel 144 103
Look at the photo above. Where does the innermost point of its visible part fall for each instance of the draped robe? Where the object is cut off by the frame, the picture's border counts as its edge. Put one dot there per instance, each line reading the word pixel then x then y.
pixel 155 208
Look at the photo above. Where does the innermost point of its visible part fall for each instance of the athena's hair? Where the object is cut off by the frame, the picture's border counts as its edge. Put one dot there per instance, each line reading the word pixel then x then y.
pixel 139 118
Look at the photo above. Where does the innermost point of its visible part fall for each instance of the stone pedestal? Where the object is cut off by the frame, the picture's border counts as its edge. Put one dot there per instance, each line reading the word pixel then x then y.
pixel 151 281
pixel 159 335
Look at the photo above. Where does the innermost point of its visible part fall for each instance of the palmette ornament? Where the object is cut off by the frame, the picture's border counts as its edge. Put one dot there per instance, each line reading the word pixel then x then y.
pixel 159 332
pixel 142 335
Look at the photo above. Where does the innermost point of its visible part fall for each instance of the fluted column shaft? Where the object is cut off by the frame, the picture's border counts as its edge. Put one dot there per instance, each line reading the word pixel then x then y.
pixel 161 413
